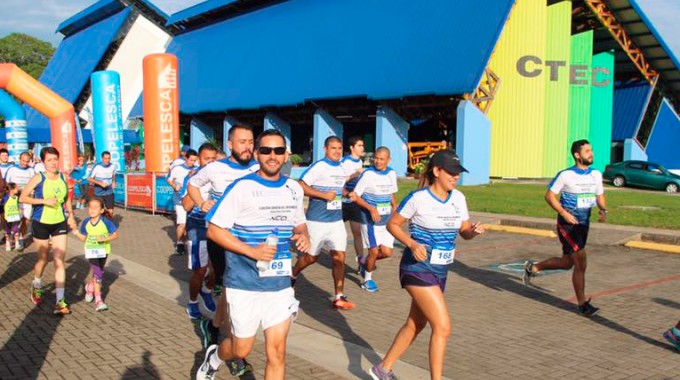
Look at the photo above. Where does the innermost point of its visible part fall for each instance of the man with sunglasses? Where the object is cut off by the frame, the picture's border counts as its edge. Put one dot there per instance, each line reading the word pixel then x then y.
pixel 218 175
pixel 323 183
pixel 249 212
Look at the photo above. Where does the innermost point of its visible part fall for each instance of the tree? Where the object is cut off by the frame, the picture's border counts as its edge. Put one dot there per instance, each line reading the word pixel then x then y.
pixel 29 53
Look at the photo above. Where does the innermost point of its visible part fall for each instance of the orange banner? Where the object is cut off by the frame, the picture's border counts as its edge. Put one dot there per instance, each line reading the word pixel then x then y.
pixel 140 190
pixel 161 111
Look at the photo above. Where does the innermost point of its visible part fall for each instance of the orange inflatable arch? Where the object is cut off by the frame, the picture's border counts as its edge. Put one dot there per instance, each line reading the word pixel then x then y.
pixel 60 112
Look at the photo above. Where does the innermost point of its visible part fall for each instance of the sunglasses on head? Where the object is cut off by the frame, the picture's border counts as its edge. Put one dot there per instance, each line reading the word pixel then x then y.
pixel 279 150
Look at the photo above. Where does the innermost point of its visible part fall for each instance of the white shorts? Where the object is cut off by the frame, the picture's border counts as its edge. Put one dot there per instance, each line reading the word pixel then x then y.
pixel 329 235
pixel 248 309
pixel 374 236
pixel 26 210
pixel 198 254
pixel 181 214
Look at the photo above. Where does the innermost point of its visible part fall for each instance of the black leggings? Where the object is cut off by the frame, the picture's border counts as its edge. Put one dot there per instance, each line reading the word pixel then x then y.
pixel 216 255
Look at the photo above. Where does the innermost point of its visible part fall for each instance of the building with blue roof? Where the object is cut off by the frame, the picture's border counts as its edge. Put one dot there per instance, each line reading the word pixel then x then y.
pixel 395 73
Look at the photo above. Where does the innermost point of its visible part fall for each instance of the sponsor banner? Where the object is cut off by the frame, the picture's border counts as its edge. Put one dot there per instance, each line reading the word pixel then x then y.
pixel 139 189
pixel 164 193
pixel 119 191
pixel 108 120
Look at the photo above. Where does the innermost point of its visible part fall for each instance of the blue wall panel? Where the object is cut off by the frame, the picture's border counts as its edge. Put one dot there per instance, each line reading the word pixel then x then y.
pixel 633 151
pixel 664 141
pixel 473 143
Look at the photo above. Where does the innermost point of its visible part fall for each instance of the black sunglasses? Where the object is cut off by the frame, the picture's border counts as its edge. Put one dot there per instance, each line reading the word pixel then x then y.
pixel 279 150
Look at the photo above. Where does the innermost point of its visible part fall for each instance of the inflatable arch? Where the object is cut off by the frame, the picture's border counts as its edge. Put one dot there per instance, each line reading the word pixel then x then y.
pixel 42 99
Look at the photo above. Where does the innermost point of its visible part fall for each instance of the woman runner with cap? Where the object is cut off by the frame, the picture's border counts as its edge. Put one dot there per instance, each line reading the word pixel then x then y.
pixel 438 214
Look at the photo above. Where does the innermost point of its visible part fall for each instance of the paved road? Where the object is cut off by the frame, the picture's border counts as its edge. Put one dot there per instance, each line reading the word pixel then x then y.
pixel 501 329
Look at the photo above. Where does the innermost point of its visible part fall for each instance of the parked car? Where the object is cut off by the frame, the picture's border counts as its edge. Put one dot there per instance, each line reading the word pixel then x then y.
pixel 642 174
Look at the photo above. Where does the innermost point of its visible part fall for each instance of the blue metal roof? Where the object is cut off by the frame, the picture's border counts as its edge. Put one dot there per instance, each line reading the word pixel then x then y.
pixel 75 59
pixel 90 15
pixel 138 109
pixel 662 147
pixel 154 8
pixel 630 103
pixel 198 10
pixel 307 49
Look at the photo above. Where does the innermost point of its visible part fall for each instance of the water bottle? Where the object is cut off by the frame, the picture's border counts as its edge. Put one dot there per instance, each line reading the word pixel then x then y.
pixel 272 240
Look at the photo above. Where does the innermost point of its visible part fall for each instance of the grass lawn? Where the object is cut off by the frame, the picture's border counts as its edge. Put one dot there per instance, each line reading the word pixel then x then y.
pixel 626 207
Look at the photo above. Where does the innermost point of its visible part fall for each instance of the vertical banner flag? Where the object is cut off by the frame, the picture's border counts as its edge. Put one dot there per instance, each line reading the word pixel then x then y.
pixel 108 117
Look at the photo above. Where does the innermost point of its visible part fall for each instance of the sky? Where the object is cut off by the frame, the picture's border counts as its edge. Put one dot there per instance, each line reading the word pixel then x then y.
pixel 40 18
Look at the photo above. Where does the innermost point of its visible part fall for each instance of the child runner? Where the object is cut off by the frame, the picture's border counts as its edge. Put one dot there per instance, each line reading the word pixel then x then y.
pixel 437 214
pixel 12 215
pixel 97 232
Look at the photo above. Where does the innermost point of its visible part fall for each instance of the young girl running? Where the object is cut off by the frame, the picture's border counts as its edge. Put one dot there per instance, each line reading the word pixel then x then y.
pixel 12 215
pixel 437 214
pixel 97 232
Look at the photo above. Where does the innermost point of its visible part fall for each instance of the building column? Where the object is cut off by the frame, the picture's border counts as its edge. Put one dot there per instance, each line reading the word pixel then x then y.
pixel 325 126
pixel 199 133
pixel 271 121
pixel 391 131
pixel 473 143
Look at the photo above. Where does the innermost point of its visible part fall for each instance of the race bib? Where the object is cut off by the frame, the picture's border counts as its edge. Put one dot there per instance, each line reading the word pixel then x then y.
pixel 442 256
pixel 282 265
pixel 95 253
pixel 335 204
pixel 585 201
pixel 384 208
pixel 11 218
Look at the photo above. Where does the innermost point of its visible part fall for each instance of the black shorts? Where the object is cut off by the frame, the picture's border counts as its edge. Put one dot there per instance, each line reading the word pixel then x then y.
pixel 572 236
pixel 412 278
pixel 42 231
pixel 108 201
pixel 216 255
pixel 351 212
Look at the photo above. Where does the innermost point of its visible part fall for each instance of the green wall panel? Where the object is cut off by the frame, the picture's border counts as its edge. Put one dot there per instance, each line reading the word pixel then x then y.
pixel 601 108
pixel 580 94
pixel 556 125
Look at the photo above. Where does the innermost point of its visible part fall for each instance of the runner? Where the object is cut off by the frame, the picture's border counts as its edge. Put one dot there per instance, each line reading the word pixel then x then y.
pixel 351 212
pixel 181 159
pixel 175 179
pixel 97 232
pixel 79 175
pixel 323 183
pixel 10 203
pixel 4 162
pixel 197 247
pixel 21 174
pixel 581 189
pixel 103 176
pixel 255 221
pixel 218 175
pixel 49 223
pixel 374 192
pixel 437 214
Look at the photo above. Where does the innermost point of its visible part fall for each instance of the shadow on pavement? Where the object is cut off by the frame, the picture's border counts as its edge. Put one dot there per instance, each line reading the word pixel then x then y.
pixel 665 302
pixel 504 282
pixel 30 342
pixel 20 265
pixel 147 370
pixel 316 303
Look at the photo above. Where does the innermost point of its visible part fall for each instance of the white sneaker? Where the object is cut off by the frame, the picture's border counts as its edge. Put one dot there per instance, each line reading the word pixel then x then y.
pixel 206 371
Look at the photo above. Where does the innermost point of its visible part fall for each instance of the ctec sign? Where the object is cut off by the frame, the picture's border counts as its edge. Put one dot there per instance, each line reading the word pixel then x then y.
pixel 531 66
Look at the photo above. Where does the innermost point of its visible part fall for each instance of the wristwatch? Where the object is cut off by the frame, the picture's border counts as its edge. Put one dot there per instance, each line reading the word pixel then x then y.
pixel 603 210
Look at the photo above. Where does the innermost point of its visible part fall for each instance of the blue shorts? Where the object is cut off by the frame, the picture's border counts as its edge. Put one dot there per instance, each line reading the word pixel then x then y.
pixel 413 278
pixel 197 246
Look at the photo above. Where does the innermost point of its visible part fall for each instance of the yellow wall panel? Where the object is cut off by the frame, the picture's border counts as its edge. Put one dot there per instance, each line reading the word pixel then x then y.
pixel 517 114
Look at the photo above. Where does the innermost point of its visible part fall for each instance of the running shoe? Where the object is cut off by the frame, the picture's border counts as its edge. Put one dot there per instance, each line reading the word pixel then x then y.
pixel 8 245
pixel 209 333
pixel 193 311
pixel 61 308
pixel 239 367
pixel 672 338
pixel 36 295
pixel 20 246
pixel 588 310
pixel 378 373
pixel 369 286
pixel 206 371
pixel 528 273
pixel 101 306
pixel 343 304
pixel 179 249
pixel 208 301
pixel 217 290
pixel 89 293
